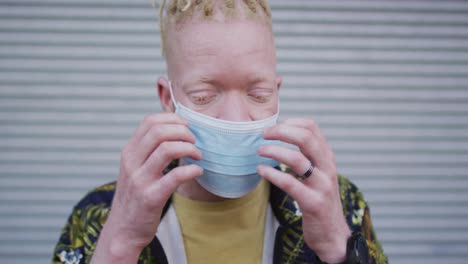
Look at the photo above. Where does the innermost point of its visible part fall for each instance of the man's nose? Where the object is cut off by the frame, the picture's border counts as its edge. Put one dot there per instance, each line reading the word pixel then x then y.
pixel 234 108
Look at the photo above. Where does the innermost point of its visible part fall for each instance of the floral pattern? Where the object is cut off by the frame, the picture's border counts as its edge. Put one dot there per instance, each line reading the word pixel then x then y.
pixel 298 211
pixel 71 257
pixel 79 236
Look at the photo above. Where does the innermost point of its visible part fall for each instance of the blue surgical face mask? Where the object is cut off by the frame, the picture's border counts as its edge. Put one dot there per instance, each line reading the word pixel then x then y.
pixel 229 151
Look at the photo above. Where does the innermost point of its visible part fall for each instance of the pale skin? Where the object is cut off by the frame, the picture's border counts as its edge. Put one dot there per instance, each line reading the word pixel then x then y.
pixel 230 75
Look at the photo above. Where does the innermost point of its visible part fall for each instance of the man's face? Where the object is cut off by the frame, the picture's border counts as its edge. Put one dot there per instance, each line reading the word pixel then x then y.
pixel 226 70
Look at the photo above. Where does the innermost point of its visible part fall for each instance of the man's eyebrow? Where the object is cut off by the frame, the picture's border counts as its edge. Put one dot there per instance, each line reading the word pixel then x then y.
pixel 257 79
pixel 205 79
pixel 254 78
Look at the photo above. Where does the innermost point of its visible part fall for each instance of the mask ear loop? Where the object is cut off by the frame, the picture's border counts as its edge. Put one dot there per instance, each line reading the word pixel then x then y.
pixel 172 95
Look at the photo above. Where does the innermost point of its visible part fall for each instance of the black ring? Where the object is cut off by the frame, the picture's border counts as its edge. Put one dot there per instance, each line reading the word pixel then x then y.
pixel 306 174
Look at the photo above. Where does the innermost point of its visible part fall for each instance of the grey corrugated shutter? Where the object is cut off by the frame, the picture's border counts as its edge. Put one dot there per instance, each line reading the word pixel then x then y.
pixel 386 80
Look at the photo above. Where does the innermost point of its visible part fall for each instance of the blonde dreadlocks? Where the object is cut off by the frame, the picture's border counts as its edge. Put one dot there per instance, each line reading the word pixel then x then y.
pixel 180 10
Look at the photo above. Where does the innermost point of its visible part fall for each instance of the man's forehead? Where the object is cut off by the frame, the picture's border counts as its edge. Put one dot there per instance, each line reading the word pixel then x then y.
pixel 178 14
pixel 242 38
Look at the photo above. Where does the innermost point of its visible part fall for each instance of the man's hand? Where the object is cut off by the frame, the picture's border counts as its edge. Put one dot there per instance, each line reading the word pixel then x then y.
pixel 142 189
pixel 324 225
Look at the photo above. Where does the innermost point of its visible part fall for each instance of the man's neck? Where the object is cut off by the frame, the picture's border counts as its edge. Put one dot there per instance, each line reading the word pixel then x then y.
pixel 194 191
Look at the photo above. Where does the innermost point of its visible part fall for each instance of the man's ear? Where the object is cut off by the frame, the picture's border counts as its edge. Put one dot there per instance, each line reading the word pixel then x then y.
pixel 279 81
pixel 165 95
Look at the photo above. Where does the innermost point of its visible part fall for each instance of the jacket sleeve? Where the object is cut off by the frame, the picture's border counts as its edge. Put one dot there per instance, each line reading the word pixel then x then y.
pixel 357 213
pixel 79 235
pixel 70 246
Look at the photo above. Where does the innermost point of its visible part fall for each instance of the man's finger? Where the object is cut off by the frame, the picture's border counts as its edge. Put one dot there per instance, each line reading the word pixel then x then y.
pixel 167 185
pixel 310 145
pixel 167 152
pixel 152 120
pixel 284 181
pixel 307 123
pixel 158 134
pixel 292 158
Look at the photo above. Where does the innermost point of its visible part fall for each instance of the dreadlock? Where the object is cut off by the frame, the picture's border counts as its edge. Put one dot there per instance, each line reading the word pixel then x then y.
pixel 180 10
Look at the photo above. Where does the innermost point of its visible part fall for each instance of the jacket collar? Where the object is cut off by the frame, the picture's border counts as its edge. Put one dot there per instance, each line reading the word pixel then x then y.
pixel 290 246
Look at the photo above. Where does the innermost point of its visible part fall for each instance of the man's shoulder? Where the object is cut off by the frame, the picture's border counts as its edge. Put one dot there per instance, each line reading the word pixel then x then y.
pixel 353 202
pixel 100 197
pixel 79 236
pixel 348 188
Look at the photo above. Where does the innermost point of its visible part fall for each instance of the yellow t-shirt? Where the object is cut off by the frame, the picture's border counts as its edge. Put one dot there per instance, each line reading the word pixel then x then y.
pixel 230 231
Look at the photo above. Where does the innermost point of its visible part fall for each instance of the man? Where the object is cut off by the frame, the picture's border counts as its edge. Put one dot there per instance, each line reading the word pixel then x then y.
pixel 211 180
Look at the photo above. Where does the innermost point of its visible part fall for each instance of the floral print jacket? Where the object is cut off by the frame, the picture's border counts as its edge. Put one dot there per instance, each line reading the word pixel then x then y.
pixel 79 236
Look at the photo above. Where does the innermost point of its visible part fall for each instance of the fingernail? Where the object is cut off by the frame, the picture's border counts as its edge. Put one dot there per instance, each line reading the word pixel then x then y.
pixel 260 149
pixel 261 169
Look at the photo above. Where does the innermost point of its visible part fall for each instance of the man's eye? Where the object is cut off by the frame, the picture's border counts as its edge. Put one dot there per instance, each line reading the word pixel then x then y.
pixel 261 97
pixel 202 99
